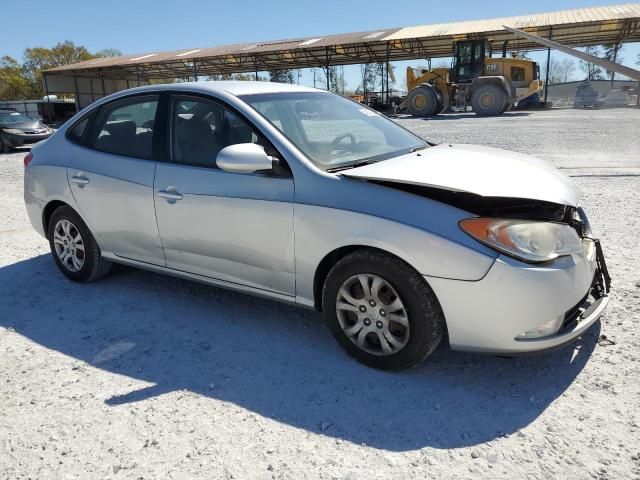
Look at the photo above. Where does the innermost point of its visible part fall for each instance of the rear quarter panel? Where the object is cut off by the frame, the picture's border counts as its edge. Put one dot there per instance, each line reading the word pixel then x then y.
pixel 45 178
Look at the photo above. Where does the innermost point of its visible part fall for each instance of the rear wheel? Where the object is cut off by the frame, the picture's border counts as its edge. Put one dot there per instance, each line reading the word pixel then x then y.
pixel 381 311
pixel 74 249
pixel 488 100
pixel 4 148
pixel 422 102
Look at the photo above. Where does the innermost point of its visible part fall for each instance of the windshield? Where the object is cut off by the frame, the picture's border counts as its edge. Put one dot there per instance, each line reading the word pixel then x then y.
pixel 14 117
pixel 332 131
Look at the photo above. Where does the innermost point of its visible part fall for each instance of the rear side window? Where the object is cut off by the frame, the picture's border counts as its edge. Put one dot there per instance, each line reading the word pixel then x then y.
pixel 77 131
pixel 126 128
pixel 517 74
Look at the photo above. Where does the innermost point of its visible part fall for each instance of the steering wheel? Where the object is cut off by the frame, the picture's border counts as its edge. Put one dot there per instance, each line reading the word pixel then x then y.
pixel 148 124
pixel 339 138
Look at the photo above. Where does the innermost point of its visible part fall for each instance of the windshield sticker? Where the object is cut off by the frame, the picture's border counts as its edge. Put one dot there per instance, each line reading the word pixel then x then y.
pixel 368 112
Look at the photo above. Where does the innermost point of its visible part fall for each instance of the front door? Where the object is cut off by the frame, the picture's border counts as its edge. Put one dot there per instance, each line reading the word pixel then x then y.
pixel 468 60
pixel 111 179
pixel 236 227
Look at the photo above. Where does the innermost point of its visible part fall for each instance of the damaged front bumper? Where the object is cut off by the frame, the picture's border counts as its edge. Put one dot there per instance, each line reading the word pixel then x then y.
pixel 492 314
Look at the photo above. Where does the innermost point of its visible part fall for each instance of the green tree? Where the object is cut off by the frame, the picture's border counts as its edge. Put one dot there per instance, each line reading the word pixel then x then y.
pixel 336 79
pixel 370 76
pixel 245 77
pixel 281 76
pixel 373 75
pixel 38 59
pixel 108 52
pixel 13 85
pixel 612 53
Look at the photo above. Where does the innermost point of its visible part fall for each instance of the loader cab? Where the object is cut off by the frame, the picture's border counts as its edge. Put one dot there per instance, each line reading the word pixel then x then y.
pixel 468 60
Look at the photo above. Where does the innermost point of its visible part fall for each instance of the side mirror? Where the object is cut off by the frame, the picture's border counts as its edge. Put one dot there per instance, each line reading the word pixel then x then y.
pixel 243 158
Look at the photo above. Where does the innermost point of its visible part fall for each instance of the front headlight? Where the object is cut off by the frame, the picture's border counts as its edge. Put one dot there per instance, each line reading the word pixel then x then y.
pixel 527 240
pixel 14 131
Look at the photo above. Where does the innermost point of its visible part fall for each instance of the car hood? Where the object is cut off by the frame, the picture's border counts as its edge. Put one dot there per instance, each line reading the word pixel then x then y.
pixel 484 171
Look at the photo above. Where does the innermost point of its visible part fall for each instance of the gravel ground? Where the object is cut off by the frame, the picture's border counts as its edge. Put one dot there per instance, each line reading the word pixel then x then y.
pixel 144 376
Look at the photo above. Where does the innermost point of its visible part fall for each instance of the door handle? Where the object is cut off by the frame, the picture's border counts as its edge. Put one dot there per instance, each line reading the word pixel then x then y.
pixel 80 179
pixel 170 194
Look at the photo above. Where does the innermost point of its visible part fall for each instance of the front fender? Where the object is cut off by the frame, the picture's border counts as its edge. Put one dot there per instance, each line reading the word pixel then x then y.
pixel 498 80
pixel 321 230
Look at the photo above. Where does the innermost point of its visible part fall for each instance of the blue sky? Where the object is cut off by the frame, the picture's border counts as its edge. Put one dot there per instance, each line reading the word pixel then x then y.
pixel 142 26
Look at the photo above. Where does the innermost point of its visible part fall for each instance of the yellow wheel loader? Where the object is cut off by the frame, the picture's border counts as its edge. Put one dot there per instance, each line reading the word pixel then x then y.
pixel 489 85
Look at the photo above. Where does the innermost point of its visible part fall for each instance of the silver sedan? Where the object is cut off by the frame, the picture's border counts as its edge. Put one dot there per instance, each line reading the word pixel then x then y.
pixel 306 197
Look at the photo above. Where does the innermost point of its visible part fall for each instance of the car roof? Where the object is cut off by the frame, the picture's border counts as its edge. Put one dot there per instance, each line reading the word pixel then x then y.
pixel 234 87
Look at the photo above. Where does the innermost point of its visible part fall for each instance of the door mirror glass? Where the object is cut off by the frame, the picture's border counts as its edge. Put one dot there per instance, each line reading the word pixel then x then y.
pixel 243 158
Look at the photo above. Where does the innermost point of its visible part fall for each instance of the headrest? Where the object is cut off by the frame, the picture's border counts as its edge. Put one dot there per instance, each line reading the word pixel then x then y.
pixel 121 129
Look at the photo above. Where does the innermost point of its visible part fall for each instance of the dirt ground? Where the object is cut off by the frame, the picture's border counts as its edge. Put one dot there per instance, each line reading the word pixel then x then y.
pixel 145 376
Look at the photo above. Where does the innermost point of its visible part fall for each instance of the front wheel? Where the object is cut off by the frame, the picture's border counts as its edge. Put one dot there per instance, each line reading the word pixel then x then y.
pixel 422 102
pixel 381 311
pixel 4 148
pixel 488 100
pixel 73 247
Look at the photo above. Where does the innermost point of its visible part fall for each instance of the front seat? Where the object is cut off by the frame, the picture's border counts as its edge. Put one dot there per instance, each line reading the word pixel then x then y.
pixel 197 143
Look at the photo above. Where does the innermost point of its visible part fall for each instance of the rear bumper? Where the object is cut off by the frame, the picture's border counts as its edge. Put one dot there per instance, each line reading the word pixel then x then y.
pixel 488 315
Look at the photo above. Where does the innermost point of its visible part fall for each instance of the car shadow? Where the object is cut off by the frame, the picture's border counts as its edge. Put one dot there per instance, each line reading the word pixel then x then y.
pixel 276 360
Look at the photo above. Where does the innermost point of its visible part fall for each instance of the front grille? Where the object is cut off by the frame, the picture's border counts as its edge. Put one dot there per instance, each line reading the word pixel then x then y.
pixel 597 290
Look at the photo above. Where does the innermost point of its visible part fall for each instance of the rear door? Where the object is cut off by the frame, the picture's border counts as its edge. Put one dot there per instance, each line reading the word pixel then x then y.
pixel 111 178
pixel 236 227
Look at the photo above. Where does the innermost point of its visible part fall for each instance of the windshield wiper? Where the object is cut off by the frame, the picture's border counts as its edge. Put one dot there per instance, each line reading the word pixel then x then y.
pixel 415 149
pixel 348 166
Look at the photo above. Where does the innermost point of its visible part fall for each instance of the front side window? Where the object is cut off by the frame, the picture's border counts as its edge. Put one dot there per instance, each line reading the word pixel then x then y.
pixel 464 53
pixel 200 128
pixel 126 128
pixel 478 50
pixel 332 131
pixel 517 74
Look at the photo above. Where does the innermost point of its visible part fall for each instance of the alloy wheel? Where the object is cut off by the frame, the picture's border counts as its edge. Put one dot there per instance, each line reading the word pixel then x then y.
pixel 372 315
pixel 69 245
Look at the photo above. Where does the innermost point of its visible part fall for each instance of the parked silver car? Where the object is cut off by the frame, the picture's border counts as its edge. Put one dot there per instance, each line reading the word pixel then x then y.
pixel 304 196
pixel 17 130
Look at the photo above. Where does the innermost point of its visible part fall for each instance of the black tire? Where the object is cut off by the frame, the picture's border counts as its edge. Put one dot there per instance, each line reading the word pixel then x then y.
pixel 508 106
pixel 94 266
pixel 422 102
pixel 426 320
pixel 4 148
pixel 488 100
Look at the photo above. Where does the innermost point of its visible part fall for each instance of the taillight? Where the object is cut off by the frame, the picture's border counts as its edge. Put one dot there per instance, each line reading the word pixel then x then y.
pixel 27 159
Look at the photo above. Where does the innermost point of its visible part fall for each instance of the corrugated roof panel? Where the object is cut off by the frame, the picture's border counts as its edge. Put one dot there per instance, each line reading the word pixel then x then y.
pixel 435 38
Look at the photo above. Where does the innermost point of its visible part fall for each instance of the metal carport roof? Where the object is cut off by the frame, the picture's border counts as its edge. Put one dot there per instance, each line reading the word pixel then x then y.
pixel 577 27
